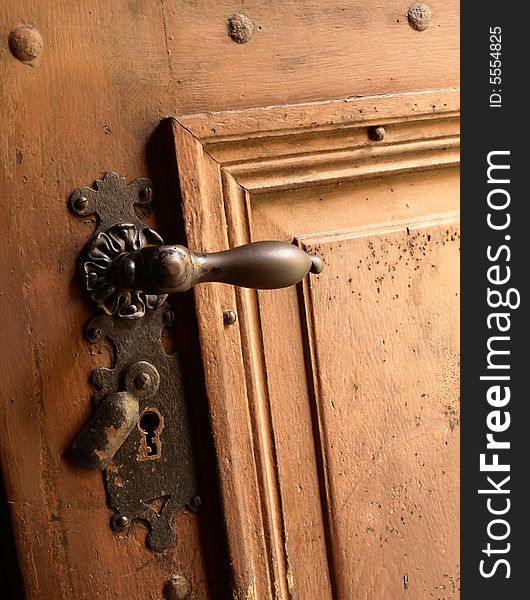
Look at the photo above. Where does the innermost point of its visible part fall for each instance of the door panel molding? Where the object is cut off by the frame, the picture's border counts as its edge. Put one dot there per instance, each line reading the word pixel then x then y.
pixel 226 161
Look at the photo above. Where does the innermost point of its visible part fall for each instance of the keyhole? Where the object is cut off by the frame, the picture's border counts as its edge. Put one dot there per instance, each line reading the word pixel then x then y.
pixel 149 423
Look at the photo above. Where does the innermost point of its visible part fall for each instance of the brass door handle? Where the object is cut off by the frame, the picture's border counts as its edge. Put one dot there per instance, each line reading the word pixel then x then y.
pixel 127 270
pixel 169 269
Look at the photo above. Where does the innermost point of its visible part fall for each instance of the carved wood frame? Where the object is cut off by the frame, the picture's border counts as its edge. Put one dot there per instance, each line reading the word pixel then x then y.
pixel 223 158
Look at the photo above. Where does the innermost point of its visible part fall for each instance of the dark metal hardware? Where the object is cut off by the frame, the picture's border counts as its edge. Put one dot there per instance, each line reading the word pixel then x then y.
pixel 169 269
pixel 139 432
pixel 110 425
pixel 127 270
pixel 144 381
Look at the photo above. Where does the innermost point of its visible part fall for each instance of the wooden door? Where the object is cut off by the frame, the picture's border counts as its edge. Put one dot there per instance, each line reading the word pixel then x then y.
pixel 326 417
pixel 334 404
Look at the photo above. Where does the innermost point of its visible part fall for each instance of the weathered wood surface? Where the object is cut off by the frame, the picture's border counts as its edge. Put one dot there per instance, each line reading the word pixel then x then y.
pixel 334 409
pixel 107 75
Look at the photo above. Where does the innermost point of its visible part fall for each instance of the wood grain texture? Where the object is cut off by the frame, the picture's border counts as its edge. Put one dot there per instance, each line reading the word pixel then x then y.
pixel 271 400
pixel 388 412
pixel 81 110
pixel 309 50
pixel 108 74
pixel 335 138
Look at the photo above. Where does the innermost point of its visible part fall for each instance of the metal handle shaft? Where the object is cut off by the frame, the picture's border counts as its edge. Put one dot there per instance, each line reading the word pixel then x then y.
pixel 168 269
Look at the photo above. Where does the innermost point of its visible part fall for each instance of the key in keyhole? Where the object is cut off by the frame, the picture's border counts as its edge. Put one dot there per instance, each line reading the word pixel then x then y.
pixel 149 423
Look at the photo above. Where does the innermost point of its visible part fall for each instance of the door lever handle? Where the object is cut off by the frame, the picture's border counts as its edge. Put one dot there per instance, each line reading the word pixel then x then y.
pixel 168 269
pixel 128 270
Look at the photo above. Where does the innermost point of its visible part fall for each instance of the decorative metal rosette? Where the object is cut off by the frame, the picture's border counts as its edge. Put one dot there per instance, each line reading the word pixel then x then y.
pixel 96 263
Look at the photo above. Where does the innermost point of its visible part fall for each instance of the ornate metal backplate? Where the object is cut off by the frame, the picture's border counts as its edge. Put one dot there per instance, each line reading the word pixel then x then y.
pixel 152 474
pixel 119 230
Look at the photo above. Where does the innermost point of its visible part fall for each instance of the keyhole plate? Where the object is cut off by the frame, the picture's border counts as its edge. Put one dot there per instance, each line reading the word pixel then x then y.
pixel 142 491
pixel 150 424
pixel 152 475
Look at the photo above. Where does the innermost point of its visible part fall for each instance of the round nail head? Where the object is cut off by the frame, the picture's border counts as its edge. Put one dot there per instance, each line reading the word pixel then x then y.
pixel 81 203
pixel 229 317
pixel 177 587
pixel 317 264
pixel 120 522
pixel 419 16
pixel 142 381
pixel 25 43
pixel 240 28
pixel 146 193
pixel 376 134
pixel 94 334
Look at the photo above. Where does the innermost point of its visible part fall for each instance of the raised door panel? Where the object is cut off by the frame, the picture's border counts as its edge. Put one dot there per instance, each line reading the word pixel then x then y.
pixel 383 343
pixel 334 405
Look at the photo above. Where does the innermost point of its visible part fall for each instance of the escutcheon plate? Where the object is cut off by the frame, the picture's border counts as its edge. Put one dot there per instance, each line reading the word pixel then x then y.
pixel 152 474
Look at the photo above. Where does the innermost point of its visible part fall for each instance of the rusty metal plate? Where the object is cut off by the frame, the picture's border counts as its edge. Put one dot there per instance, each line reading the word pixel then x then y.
pixel 140 430
pixel 152 475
